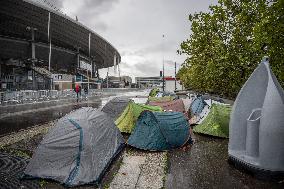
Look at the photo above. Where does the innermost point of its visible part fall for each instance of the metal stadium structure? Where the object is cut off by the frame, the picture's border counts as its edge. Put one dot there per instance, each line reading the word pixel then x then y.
pixel 45 41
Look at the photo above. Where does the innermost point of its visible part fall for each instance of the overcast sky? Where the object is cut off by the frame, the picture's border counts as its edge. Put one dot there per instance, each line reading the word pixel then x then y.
pixel 135 28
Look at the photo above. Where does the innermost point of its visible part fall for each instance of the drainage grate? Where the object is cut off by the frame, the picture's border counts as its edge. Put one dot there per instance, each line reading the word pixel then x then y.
pixel 11 168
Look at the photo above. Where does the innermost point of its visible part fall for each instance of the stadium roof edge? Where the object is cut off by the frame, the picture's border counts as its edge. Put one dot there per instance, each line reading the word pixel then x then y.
pixel 70 19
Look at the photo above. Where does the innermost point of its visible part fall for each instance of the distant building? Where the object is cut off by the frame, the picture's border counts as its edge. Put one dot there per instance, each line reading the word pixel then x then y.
pixel 170 84
pixel 119 82
pixel 146 82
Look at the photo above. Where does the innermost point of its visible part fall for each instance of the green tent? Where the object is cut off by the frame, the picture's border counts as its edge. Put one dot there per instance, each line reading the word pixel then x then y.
pixel 160 131
pixel 161 99
pixel 217 121
pixel 127 120
pixel 154 92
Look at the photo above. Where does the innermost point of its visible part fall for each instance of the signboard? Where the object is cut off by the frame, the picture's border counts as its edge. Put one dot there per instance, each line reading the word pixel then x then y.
pixel 85 65
pixel 78 78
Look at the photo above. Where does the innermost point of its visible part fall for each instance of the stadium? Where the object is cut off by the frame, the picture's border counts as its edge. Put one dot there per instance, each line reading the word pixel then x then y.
pixel 38 44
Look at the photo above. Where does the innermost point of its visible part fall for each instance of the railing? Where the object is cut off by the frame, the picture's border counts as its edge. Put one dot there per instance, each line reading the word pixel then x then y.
pixel 29 96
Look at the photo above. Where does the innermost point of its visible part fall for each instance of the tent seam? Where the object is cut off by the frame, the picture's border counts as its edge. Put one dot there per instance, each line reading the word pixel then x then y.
pixel 75 170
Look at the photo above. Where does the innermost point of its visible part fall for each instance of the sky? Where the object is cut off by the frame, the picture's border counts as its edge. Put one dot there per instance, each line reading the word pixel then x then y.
pixel 136 28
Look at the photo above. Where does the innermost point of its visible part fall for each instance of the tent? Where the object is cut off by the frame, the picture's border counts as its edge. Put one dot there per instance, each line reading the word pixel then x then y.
pixel 161 99
pixel 195 110
pixel 115 107
pixel 127 120
pixel 167 93
pixel 175 105
pixel 160 131
pixel 154 92
pixel 78 149
pixel 197 105
pixel 186 102
pixel 217 121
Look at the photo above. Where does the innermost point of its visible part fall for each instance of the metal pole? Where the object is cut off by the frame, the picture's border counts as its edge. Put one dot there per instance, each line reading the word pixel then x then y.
pixel 119 74
pixel 48 35
pixel 114 63
pixel 163 66
pixel 90 60
pixel 175 76
pixel 163 76
pixel 88 80
pixel 33 43
pixel 107 76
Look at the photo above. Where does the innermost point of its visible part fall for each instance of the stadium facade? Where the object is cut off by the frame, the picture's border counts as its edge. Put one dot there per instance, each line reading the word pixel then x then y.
pixel 37 42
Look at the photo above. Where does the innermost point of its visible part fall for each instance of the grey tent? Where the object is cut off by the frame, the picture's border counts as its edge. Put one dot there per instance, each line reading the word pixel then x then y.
pixel 78 149
pixel 115 107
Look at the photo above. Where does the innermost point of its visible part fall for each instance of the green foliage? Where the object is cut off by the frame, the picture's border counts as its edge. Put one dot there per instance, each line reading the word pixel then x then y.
pixel 227 43
pixel 42 183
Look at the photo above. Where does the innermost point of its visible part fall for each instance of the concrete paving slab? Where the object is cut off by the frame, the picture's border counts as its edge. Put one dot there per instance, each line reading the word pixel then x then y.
pixel 129 172
pixel 141 169
pixel 153 171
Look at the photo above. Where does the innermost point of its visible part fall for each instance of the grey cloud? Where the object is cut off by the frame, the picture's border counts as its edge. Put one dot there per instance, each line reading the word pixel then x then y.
pixel 100 26
pixel 92 8
pixel 169 62
pixel 148 68
pixel 135 28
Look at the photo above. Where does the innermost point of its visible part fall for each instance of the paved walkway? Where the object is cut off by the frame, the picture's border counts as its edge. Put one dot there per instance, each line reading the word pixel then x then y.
pixel 141 170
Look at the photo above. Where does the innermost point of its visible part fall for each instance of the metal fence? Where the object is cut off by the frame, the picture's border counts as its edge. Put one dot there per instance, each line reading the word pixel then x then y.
pixel 28 96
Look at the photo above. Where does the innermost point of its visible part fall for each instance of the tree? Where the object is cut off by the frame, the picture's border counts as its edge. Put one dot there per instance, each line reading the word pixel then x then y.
pixel 227 42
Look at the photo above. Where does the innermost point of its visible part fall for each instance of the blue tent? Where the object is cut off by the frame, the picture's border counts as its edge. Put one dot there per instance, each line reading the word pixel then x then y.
pixel 160 131
pixel 197 106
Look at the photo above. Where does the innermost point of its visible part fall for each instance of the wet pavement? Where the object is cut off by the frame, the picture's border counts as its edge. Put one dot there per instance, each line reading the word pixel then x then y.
pixel 205 165
pixel 16 117
pixel 21 120
pixel 24 142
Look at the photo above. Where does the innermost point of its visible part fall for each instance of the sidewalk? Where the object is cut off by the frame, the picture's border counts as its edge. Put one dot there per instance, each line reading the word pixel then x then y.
pixel 141 169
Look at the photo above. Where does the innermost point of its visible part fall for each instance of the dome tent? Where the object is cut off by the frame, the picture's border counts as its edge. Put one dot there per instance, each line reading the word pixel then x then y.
pixel 160 131
pixel 128 118
pixel 116 106
pixel 216 122
pixel 175 105
pixel 159 99
pixel 78 149
pixel 154 92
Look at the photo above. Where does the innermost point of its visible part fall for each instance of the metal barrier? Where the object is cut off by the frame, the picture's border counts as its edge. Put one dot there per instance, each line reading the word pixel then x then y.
pixel 29 96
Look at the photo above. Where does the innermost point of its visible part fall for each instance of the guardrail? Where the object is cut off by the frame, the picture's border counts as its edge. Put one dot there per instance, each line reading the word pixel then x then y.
pixel 28 96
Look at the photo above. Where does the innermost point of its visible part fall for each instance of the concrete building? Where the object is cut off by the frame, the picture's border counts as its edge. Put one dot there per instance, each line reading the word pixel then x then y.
pixel 41 40
pixel 119 82
pixel 146 82
pixel 171 84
